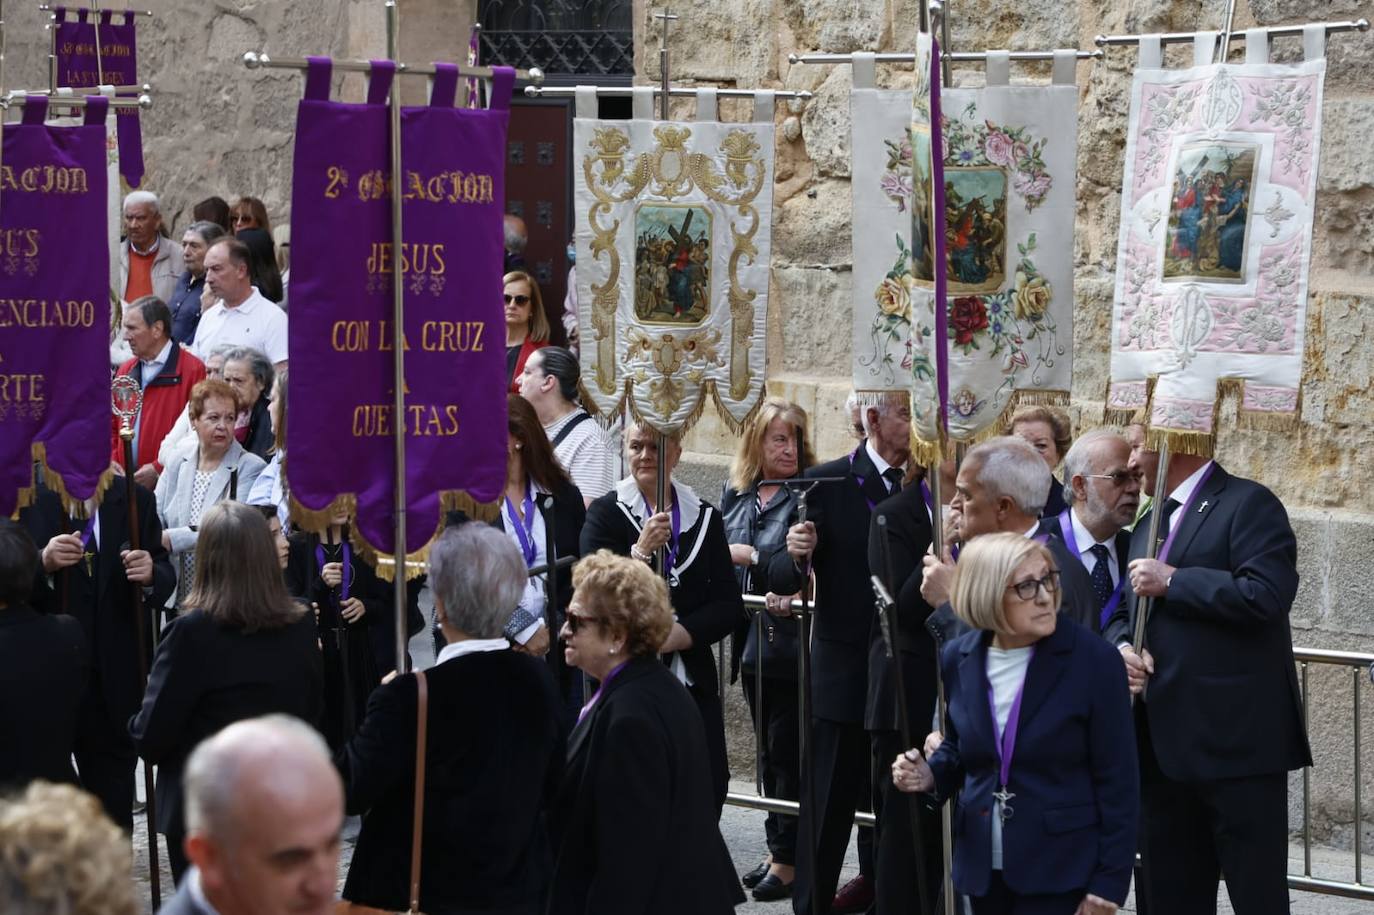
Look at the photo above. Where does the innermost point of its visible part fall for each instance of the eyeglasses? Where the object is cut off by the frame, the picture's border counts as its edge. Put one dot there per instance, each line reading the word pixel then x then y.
pixel 517 299
pixel 1118 477
pixel 576 621
pixel 1027 589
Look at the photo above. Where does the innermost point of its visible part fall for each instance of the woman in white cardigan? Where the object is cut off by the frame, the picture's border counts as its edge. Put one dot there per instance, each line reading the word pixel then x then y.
pixel 196 478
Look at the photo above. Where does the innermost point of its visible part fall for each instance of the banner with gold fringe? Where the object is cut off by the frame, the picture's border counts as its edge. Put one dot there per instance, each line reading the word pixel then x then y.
pixel 1215 241
pixel 673 235
pixel 54 308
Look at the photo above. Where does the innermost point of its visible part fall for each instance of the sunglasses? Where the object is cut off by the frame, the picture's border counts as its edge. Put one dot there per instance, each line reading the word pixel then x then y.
pixel 1026 589
pixel 576 621
pixel 517 299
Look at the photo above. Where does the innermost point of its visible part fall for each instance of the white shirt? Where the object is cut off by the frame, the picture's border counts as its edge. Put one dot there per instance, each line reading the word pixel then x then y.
pixel 532 599
pixel 197 891
pixel 469 646
pixel 1007 669
pixel 585 455
pixel 1082 535
pixel 256 322
pixel 1184 491
pixel 878 462
pixel 152 366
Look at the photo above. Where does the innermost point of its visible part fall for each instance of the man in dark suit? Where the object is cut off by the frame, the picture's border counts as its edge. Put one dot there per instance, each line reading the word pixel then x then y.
pixel 907 530
pixel 1220 724
pixel 90 573
pixel 834 540
pixel 1001 488
pixel 1102 493
pixel 43 671
pixel 263 814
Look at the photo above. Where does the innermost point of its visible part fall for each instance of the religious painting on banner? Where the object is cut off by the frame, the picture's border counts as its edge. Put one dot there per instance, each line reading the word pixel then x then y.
pixel 343 421
pixel 1215 240
pixel 1006 196
pixel 673 238
pixel 54 308
pixel 79 66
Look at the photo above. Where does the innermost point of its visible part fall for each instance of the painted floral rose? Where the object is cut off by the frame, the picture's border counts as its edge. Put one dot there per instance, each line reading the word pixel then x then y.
pixel 967 315
pixel 1031 185
pixel 894 296
pixel 998 148
pixel 1031 296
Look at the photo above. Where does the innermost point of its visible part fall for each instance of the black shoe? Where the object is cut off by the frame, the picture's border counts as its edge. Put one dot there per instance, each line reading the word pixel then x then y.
pixel 753 878
pixel 771 889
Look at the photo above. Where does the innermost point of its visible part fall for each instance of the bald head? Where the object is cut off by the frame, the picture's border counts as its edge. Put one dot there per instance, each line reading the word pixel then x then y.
pixel 264 806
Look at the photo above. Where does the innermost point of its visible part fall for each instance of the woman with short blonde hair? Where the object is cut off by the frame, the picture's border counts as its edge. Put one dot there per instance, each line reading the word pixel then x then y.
pixel 637 769
pixel 1039 740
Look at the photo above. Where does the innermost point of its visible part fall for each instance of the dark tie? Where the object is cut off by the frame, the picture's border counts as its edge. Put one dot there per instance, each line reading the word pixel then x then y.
pixel 893 476
pixel 1102 574
pixel 1170 507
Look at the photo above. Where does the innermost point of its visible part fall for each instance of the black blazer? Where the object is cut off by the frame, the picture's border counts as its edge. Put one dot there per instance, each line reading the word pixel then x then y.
pixel 260 437
pixel 841 636
pixel 706 597
pixel 44 666
pixel 635 821
pixel 1054 502
pixel 908 533
pixel 104 608
pixel 1073 773
pixel 1223 701
pixel 206 676
pixel 494 752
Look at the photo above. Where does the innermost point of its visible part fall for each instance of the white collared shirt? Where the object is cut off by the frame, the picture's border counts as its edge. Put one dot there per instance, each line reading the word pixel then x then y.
pixel 1184 491
pixel 1034 529
pixel 193 886
pixel 469 646
pixel 255 322
pixel 1082 535
pixel 151 367
pixel 878 462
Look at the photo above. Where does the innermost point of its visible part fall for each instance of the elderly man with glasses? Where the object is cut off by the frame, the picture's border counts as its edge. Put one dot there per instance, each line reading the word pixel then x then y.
pixel 1103 494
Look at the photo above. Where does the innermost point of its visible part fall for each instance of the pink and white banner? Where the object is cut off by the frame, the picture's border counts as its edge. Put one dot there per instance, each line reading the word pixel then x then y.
pixel 1216 239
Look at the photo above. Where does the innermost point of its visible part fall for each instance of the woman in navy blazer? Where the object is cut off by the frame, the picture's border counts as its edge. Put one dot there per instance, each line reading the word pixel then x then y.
pixel 1054 830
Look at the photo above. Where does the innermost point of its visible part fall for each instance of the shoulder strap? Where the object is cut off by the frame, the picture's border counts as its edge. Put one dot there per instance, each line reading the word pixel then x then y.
pixel 567 430
pixel 421 720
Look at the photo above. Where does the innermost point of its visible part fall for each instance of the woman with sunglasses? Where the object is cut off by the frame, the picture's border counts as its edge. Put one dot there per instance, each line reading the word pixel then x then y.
pixel 1038 740
pixel 633 821
pixel 527 327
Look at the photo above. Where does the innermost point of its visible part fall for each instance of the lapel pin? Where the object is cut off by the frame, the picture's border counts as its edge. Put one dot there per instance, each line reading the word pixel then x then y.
pixel 1203 507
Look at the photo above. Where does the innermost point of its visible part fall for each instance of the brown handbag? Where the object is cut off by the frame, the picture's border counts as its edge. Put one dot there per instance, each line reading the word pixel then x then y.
pixel 343 906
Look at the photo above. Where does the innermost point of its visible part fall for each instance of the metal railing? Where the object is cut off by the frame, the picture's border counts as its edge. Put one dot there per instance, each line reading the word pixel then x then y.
pixel 1360 665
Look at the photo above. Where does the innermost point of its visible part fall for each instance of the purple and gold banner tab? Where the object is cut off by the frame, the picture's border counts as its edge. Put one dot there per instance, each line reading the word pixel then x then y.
pixel 78 67
pixel 344 264
pixel 54 306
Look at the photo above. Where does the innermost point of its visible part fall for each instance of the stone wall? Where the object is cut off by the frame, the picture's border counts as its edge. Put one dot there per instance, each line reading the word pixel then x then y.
pixel 1320 471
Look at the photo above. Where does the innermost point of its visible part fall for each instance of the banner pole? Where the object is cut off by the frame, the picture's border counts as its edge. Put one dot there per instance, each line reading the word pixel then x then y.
pixel 1224 45
pixel 99 63
pixel 398 339
pixel 663 483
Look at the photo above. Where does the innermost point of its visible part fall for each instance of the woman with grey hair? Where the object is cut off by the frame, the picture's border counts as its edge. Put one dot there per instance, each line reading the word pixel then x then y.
pixel 494 749
pixel 251 375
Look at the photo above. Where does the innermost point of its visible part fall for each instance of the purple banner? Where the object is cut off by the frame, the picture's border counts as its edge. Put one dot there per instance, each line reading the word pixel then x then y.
pixel 343 422
pixel 54 305
pixel 79 67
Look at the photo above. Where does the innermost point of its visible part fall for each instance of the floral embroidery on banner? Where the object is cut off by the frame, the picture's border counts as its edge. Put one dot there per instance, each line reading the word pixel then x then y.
pixel 1285 105
pixel 1168 109
pixel 1180 414
pixel 971 141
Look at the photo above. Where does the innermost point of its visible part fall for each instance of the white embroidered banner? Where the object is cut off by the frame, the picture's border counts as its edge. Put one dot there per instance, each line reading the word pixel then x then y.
pixel 1215 242
pixel 673 230
pixel 1009 156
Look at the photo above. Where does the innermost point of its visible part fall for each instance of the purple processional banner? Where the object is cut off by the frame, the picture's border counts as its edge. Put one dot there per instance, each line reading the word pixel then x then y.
pixel 79 67
pixel 343 420
pixel 54 306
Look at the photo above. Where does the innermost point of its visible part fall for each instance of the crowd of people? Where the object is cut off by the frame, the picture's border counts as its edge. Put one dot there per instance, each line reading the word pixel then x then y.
pixel 566 752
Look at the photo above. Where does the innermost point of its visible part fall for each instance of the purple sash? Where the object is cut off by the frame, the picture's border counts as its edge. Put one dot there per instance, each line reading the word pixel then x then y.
pixel 1006 747
pixel 1066 528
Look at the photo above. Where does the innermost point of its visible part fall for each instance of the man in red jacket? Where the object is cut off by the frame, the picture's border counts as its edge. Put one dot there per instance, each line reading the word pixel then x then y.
pixel 166 372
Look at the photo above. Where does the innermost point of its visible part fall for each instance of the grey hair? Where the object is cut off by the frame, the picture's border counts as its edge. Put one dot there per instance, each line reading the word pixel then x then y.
pixel 478 575
pixel 138 197
pixel 1009 466
pixel 1078 461
pixel 884 403
pixel 211 780
pixel 257 363
pixel 209 232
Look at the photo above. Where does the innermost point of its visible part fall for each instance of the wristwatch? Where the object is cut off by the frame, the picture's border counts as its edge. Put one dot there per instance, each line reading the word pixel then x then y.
pixel 753 557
